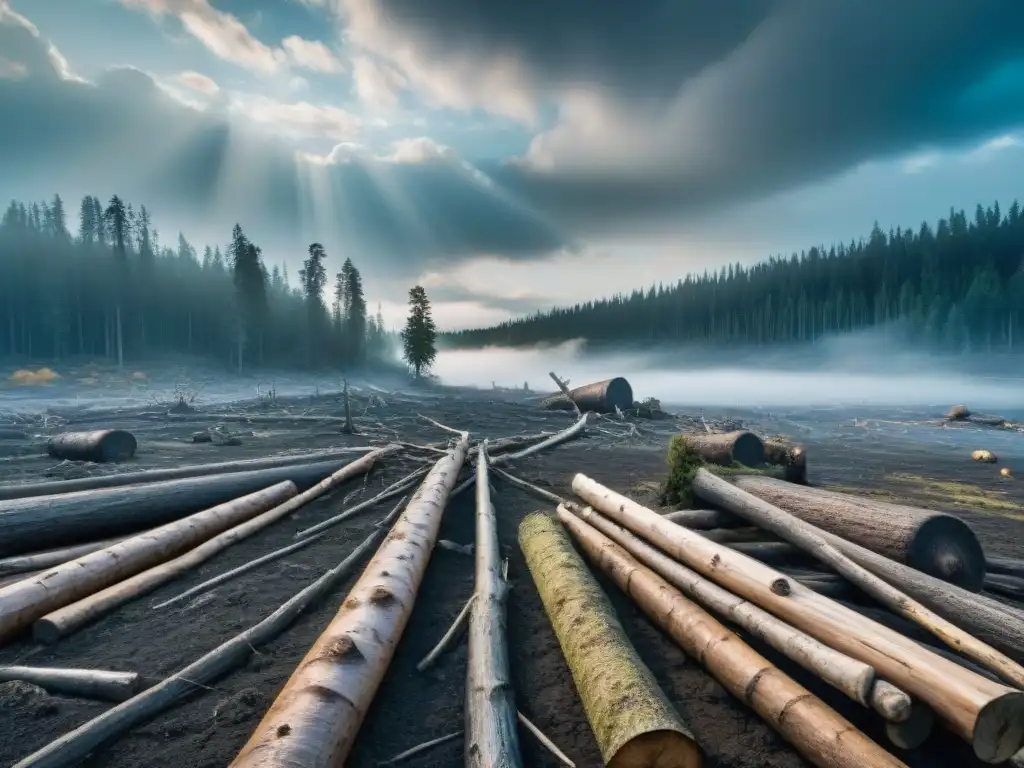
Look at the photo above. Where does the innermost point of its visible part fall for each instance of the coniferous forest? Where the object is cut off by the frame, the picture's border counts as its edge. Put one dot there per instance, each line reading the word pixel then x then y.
pixel 114 290
pixel 951 288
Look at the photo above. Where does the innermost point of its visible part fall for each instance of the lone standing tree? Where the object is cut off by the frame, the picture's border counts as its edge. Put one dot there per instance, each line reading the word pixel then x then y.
pixel 420 334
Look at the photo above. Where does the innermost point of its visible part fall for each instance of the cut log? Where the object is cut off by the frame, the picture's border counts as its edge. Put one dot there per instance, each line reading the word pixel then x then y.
pixel 37 561
pixel 854 678
pixel 1005 566
pixel 805 536
pixel 86 683
pixel 12 434
pixel 729 448
pixel 1007 586
pixel 73 747
pixel 27 490
pixel 100 446
pixel 316 716
pixel 25 601
pixel 74 518
pixel 936 543
pixel 915 730
pixel 69 618
pixel 775 552
pixel 705 519
pixel 791 457
pixel 599 397
pixel 492 740
pixel 633 721
pixel 814 729
pixel 988 715
pixel 729 535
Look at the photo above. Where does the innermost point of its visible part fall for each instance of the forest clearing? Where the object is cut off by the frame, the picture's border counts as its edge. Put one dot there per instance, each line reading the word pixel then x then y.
pixel 351 575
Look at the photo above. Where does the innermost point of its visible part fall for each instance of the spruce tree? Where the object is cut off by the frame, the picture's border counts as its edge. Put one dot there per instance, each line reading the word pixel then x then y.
pixel 419 336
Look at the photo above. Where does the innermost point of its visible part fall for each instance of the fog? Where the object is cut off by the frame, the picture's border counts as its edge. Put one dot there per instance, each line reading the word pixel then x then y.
pixel 851 371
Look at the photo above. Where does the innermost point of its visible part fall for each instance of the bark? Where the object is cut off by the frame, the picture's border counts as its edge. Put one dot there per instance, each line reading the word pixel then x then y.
pixel 774 552
pixel 492 740
pixel 815 730
pixel 25 601
pixel 1005 566
pixel 1007 586
pixel 988 715
pixel 315 718
pixel 37 561
pixel 28 490
pixel 75 746
pixel 599 397
pixel 86 683
pixel 705 519
pixel 805 536
pixel 936 543
pixel 729 535
pixel 565 392
pixel 71 617
pixel 73 518
pixel 101 445
pixel 728 448
pixel 854 678
pixel 791 457
pixel 633 721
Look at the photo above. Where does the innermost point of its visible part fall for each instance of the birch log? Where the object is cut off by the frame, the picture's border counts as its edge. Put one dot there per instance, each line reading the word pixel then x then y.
pixel 25 601
pixel 988 715
pixel 633 721
pixel 492 740
pixel 87 683
pixel 316 716
pixel 936 543
pixel 69 618
pixel 804 535
pixel 817 731
pixel 37 561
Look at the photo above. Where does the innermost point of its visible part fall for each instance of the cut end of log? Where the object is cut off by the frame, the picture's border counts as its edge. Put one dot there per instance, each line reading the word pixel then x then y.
pixel 915 730
pixel 947 548
pixel 658 749
pixel 999 729
pixel 46 632
pixel 100 446
pixel 726 449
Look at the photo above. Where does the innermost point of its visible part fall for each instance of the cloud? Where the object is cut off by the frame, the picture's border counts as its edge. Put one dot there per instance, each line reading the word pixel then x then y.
pixel 301 119
pixel 376 85
pixel 199 82
pixel 311 54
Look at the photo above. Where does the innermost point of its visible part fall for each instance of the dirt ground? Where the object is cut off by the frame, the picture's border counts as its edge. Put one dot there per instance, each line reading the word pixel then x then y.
pixel 208 728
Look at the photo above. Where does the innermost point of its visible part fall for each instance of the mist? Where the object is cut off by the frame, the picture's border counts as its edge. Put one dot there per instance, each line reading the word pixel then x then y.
pixel 844 371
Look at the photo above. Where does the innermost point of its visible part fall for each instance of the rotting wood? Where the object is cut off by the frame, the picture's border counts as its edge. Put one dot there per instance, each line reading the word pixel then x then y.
pixel 25 601
pixel 69 618
pixel 76 745
pixel 548 743
pixel 805 536
pixel 29 490
pixel 87 683
pixel 74 518
pixel 99 446
pixel 814 729
pixel 460 621
pixel 727 448
pixel 492 740
pixel 325 700
pixel 605 668
pixel 988 715
pixel 854 678
pixel 936 543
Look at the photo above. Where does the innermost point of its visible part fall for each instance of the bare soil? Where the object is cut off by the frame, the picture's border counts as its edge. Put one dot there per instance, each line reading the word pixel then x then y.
pixel 208 728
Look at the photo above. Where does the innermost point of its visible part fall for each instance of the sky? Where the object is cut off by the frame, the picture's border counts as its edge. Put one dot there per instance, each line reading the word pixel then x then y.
pixel 516 156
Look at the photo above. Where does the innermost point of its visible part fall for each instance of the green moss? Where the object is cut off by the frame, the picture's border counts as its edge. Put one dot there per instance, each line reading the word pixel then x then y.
pixel 683 463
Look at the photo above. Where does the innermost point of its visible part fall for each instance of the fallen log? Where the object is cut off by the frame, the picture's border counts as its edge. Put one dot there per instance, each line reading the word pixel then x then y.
pixel 76 745
pixel 805 536
pixel 729 535
pixel 705 519
pixel 565 392
pixel 791 458
pixel 25 601
pixel 27 490
pixel 987 715
pixel 774 552
pixel 12 434
pixel 69 618
pixel 492 740
pixel 74 518
pixel 86 683
pixel 100 446
pixel 854 678
pixel 37 561
pixel 1004 566
pixel 915 730
pixel 1007 586
pixel 314 720
pixel 936 543
pixel 729 448
pixel 633 721
pixel 599 397
pixel 814 729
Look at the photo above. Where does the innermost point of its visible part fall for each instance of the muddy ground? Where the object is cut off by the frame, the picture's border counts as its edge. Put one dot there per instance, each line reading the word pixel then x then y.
pixel 877 453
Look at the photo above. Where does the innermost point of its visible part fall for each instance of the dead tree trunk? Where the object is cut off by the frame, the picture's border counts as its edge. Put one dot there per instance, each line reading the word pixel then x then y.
pixel 100 446
pixel 985 714
pixel 25 601
pixel 316 716
pixel 938 544
pixel 728 448
pixel 817 731
pixel 87 683
pixel 69 618
pixel 72 518
pixel 492 740
pixel 605 667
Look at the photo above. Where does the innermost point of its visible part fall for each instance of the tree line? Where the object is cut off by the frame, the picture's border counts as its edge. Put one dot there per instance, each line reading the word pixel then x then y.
pixel 954 287
pixel 113 290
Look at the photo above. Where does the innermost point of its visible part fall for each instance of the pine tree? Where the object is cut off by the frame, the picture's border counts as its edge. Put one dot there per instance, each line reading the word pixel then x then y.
pixel 249 280
pixel 354 309
pixel 419 336
pixel 313 278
